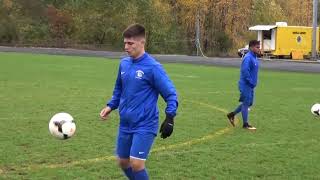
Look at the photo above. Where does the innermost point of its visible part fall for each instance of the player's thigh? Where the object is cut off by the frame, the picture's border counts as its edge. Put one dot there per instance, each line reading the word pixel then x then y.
pixel 141 145
pixel 124 143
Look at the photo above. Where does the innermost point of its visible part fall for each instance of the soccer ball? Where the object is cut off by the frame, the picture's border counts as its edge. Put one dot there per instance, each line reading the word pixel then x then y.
pixel 62 126
pixel 315 109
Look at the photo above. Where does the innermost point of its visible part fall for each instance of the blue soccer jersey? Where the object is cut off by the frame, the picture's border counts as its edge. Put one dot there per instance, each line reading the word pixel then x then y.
pixel 249 71
pixel 248 78
pixel 138 85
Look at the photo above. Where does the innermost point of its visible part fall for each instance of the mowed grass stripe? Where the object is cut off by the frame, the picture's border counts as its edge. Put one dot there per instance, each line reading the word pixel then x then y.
pixel 208 137
pixel 35 87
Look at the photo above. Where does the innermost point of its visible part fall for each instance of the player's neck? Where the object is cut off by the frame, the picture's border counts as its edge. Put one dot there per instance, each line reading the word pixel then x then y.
pixel 139 55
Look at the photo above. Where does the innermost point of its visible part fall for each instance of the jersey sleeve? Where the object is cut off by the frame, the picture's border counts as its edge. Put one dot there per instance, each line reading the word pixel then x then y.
pixel 114 102
pixel 165 87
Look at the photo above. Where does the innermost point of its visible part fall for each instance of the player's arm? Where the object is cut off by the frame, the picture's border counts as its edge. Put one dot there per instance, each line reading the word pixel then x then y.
pixel 168 92
pixel 114 102
pixel 246 71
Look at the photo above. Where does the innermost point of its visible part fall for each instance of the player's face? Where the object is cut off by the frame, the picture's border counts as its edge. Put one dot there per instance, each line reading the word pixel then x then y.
pixel 256 49
pixel 134 46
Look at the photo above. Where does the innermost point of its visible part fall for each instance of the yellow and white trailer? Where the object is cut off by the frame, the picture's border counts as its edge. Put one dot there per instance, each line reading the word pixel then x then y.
pixel 281 40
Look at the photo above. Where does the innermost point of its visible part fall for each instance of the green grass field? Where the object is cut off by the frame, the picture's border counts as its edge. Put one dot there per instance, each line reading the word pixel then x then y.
pixel 203 146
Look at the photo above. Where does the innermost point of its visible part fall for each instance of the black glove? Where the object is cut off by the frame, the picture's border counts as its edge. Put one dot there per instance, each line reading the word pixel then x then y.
pixel 166 128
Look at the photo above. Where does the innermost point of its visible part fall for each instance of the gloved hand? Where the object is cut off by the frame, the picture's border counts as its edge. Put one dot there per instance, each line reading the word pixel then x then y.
pixel 166 128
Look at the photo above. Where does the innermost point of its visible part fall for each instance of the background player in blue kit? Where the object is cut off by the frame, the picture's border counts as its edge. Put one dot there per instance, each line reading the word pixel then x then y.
pixel 247 83
pixel 140 81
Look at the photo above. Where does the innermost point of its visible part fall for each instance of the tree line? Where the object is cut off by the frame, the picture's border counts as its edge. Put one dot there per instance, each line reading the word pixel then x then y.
pixel 170 24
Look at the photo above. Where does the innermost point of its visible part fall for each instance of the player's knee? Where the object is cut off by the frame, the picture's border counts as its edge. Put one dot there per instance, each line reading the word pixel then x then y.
pixel 124 163
pixel 136 164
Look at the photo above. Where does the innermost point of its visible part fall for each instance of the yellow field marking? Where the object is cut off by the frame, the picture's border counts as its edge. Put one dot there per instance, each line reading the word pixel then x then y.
pixel 202 139
pixel 163 148
pixel 73 163
pixel 208 105
pixel 194 141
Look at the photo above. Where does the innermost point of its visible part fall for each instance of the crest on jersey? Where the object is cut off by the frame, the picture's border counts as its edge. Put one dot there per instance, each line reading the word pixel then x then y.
pixel 139 74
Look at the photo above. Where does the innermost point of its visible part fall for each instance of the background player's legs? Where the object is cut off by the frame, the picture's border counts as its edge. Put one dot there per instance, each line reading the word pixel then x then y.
pixel 244 112
pixel 233 113
pixel 238 109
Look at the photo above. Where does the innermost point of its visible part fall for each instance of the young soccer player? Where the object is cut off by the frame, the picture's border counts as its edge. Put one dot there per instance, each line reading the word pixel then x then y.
pixel 140 81
pixel 247 83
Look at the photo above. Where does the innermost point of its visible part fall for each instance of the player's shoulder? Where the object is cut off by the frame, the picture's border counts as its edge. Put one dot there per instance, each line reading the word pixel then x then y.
pixel 249 56
pixel 246 57
pixel 125 59
pixel 151 60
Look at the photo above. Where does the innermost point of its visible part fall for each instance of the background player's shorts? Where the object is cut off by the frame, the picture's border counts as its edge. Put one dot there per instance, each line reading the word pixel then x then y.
pixel 246 96
pixel 135 145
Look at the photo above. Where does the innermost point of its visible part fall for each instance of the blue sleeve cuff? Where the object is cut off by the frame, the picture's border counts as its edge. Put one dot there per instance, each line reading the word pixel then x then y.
pixel 171 116
pixel 112 107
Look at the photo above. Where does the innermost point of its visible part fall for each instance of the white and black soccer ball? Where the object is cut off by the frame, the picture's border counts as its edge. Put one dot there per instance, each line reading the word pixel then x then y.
pixel 315 109
pixel 62 125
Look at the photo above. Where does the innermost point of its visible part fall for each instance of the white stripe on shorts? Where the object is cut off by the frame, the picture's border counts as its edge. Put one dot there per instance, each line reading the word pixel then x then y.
pixel 137 158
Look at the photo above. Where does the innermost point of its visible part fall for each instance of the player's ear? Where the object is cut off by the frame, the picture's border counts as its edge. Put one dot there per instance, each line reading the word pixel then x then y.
pixel 143 41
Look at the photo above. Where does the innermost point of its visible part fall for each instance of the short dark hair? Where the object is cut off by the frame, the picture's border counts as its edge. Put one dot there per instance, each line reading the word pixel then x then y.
pixel 134 30
pixel 254 43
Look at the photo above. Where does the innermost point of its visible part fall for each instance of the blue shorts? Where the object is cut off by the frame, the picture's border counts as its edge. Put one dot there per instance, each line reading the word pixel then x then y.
pixel 136 145
pixel 246 96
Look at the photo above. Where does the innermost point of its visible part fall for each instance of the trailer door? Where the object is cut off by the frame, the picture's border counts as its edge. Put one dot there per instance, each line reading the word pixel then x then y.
pixel 273 39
